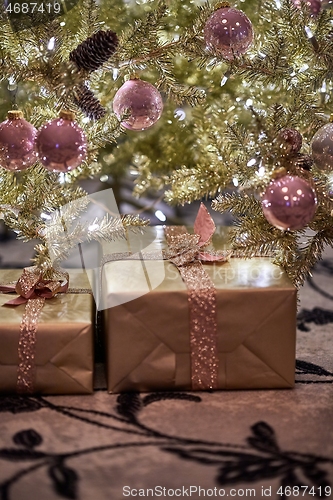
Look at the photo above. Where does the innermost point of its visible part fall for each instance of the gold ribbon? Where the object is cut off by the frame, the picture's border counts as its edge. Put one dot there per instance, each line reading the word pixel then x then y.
pixel 33 290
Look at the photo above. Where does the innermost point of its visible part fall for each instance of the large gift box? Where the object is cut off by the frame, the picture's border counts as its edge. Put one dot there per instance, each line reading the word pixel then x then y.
pixel 63 359
pixel 149 325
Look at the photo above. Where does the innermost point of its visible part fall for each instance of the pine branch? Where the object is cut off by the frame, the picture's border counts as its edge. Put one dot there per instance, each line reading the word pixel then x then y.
pixel 62 237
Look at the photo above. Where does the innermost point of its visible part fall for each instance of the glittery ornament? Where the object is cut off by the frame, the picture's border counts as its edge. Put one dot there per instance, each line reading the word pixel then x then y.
pixel 314 5
pixel 61 144
pixel 322 147
pixel 228 33
pixel 289 203
pixel 141 100
pixel 289 142
pixel 17 138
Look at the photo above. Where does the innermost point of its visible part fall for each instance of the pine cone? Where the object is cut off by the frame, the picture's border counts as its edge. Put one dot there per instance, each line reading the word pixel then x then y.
pixel 95 51
pixel 87 102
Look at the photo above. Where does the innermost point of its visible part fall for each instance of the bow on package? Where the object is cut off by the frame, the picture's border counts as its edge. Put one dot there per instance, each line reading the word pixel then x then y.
pixel 33 290
pixel 186 252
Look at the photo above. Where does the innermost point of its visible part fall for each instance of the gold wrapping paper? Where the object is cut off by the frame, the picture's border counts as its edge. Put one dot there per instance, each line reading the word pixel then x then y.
pixel 64 341
pixel 147 339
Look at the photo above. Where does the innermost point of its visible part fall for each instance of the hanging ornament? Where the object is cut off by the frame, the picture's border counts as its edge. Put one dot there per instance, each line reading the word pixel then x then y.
pixel 61 143
pixel 228 32
pixel 289 142
pixel 313 5
pixel 95 50
pixel 17 138
pixel 289 202
pixel 322 147
pixel 141 100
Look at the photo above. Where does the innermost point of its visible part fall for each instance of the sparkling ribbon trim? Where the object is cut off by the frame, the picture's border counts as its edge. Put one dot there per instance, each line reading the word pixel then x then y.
pixel 27 346
pixel 203 326
pixel 202 310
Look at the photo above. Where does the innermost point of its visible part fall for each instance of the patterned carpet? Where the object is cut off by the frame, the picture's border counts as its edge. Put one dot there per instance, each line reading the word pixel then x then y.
pixel 276 443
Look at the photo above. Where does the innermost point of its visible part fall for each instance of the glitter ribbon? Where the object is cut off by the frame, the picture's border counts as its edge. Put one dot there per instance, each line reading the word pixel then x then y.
pixel 33 290
pixel 185 253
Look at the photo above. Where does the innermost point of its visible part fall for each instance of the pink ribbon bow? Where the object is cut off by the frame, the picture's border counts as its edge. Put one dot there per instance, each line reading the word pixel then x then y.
pixel 185 248
pixel 30 286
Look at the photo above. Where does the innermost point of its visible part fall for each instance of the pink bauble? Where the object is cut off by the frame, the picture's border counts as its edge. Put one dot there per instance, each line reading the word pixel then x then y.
pixel 141 100
pixel 61 144
pixel 289 203
pixel 314 5
pixel 228 33
pixel 17 138
pixel 322 147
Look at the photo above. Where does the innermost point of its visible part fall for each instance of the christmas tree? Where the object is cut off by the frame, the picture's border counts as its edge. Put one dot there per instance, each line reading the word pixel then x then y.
pixel 239 102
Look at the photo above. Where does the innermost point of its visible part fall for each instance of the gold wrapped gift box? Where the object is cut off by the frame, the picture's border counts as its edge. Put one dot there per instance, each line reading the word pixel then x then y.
pixel 64 357
pixel 147 339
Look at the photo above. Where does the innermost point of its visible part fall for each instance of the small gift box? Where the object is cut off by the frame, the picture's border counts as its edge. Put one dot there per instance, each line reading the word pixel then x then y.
pixel 47 346
pixel 213 325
